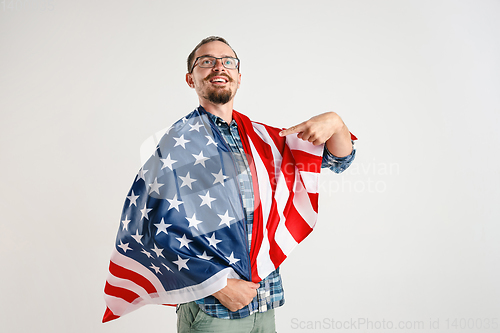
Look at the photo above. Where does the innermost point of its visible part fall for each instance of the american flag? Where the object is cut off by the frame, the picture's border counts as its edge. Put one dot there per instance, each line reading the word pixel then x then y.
pixel 182 231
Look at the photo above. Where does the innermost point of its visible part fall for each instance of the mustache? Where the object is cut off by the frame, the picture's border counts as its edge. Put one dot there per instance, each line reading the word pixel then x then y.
pixel 209 77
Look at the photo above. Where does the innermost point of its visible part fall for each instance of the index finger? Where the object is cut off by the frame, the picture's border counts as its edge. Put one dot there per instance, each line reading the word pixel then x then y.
pixel 294 129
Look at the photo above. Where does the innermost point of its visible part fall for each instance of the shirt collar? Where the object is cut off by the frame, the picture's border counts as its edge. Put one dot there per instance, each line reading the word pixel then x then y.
pixel 217 120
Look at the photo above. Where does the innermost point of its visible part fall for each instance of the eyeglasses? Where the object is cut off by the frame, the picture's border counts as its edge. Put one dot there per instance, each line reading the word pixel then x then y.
pixel 209 62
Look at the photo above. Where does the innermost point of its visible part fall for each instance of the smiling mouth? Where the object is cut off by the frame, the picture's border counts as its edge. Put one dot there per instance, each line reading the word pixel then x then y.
pixel 218 79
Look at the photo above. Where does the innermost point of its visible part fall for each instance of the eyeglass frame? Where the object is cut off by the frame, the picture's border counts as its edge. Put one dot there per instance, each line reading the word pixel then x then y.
pixel 208 56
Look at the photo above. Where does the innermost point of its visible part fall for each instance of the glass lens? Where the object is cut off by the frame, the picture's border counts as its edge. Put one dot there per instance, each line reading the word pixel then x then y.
pixel 206 62
pixel 230 63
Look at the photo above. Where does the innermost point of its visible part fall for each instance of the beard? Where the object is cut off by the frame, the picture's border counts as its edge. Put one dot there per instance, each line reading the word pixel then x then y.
pixel 219 96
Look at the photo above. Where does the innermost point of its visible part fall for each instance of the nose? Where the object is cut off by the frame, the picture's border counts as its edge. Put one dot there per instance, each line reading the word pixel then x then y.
pixel 219 66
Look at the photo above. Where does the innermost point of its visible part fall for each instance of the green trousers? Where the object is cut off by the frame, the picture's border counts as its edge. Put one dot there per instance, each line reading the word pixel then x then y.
pixel 191 319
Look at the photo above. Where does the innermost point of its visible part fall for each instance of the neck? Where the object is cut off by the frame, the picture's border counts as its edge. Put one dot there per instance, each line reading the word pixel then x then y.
pixel 224 111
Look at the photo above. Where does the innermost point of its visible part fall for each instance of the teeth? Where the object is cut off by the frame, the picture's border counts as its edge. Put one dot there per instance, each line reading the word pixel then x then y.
pixel 218 80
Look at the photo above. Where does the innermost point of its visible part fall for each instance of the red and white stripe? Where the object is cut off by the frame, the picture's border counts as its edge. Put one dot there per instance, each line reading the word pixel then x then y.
pixel 130 285
pixel 285 174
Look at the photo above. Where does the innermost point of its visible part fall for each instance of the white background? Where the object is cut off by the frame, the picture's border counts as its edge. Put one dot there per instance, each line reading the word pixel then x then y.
pixel 409 234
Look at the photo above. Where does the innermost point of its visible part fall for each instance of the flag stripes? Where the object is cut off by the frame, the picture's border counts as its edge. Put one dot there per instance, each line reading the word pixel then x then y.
pixel 287 170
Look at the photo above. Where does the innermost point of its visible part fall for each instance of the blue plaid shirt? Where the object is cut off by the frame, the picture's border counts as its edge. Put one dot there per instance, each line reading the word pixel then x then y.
pixel 270 294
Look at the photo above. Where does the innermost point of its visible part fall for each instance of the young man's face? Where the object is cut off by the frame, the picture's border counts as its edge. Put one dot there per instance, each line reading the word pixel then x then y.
pixel 218 85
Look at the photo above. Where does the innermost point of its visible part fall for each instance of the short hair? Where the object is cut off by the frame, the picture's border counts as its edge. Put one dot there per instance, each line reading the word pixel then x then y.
pixel 190 58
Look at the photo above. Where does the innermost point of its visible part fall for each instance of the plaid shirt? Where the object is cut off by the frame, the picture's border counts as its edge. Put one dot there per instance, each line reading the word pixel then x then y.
pixel 270 294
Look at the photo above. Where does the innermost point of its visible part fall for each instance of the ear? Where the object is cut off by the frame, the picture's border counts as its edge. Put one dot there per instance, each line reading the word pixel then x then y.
pixel 189 80
pixel 239 80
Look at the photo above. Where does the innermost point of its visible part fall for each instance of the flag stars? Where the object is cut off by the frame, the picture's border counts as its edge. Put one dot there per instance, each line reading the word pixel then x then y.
pixel 232 259
pixel 155 186
pixel 125 223
pixel 137 237
pixel 193 222
pixel 200 159
pixel 149 255
pixel 168 268
pixel 181 141
pixel 162 227
pixel 210 140
pixel 181 263
pixel 187 181
pixel 213 241
pixel 168 162
pixel 225 219
pixel 133 199
pixel 156 269
pixel 206 199
pixel 195 127
pixel 141 174
pixel 174 203
pixel 184 242
pixel 145 211
pixel 219 177
pixel 204 256
pixel 124 247
pixel 158 251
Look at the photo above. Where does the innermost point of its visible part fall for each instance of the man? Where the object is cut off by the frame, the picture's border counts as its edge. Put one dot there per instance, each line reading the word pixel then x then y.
pixel 213 71
pixel 220 204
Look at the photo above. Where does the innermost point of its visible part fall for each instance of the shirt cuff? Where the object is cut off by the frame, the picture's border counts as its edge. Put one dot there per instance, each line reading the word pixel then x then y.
pixel 337 164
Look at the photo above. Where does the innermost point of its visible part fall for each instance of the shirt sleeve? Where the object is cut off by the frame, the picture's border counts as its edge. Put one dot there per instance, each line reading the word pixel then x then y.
pixel 337 164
